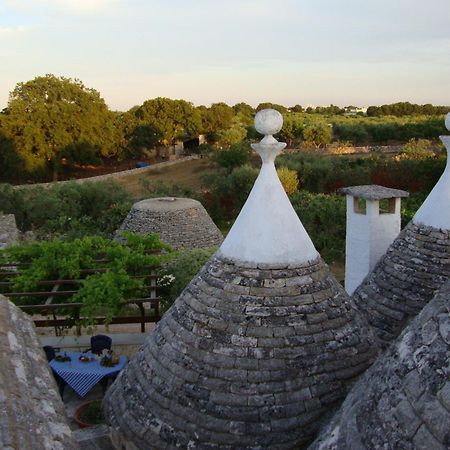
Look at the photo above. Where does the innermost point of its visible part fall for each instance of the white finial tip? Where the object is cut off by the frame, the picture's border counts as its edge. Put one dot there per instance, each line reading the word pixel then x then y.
pixel 447 121
pixel 268 121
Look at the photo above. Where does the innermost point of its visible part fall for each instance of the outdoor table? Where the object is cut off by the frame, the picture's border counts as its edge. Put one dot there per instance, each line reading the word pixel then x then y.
pixel 83 376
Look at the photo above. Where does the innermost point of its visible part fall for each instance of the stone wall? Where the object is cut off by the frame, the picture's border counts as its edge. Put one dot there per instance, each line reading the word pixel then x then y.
pixel 403 400
pixel 9 233
pixel 405 279
pixel 32 415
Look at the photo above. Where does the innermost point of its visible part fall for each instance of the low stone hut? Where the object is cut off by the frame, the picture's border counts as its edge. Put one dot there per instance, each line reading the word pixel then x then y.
pixel 403 400
pixel 32 415
pixel 258 348
pixel 181 222
pixel 415 266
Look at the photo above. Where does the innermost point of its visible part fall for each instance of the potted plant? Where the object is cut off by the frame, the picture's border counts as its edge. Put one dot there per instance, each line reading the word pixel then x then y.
pixel 89 413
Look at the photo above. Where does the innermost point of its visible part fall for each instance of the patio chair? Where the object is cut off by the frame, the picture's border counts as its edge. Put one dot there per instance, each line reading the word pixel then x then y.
pixel 50 352
pixel 99 343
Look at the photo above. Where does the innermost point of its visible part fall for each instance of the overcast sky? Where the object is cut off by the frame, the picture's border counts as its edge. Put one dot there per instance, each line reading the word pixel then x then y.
pixel 318 52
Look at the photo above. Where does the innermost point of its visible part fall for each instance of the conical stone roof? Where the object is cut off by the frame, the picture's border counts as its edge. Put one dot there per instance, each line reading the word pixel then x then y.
pixel 415 265
pixel 181 222
pixel 253 354
pixel 403 400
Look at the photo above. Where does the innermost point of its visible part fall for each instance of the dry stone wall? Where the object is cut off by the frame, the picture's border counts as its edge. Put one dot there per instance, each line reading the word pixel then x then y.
pixel 403 401
pixel 406 278
pixel 9 233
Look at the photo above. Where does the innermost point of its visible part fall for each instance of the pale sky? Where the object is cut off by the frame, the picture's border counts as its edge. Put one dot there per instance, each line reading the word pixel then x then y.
pixel 317 52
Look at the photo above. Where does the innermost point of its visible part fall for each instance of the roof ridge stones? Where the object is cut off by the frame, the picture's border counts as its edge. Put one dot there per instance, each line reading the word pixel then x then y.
pixel 252 355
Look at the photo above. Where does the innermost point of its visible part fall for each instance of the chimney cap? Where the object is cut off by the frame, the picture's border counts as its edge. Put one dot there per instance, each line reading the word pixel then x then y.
pixel 373 192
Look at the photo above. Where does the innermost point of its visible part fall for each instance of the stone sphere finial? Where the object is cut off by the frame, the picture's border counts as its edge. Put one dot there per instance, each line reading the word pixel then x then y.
pixel 268 122
pixel 447 121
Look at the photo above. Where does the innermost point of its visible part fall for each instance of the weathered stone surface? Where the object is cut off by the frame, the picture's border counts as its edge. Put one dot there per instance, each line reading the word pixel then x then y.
pixel 373 192
pixel 9 233
pixel 31 412
pixel 403 400
pixel 181 222
pixel 225 369
pixel 404 280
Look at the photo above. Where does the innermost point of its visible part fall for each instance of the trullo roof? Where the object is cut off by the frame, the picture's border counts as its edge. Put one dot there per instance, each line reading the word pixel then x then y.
pixel 256 350
pixel 414 267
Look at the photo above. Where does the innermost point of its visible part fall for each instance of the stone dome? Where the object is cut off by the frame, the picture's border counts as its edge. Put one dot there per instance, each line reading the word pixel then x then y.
pixel 181 222
pixel 415 265
pixel 403 400
pixel 256 350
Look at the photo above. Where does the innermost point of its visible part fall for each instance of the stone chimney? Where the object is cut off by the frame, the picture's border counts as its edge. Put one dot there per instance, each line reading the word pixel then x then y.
pixel 373 222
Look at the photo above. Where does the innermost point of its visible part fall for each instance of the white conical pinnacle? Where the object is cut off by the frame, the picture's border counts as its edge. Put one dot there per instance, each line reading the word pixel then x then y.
pixel 435 210
pixel 267 229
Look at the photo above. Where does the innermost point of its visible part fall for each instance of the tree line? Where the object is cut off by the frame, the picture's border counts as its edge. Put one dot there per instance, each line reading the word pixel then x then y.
pixel 54 122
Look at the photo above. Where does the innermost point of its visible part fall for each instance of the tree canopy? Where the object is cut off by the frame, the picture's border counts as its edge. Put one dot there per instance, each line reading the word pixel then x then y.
pixel 169 119
pixel 49 113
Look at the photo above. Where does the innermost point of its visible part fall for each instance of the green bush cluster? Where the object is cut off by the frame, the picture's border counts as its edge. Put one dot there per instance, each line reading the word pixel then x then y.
pixel 154 189
pixel 319 173
pixel 69 209
pixel 323 217
pixel 235 156
pixel 184 265
pixel 228 191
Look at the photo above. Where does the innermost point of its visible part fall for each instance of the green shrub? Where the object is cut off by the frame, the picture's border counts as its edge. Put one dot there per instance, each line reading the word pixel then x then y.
pixel 227 192
pixel 235 156
pixel 417 149
pixel 324 218
pixel 317 135
pixel 154 189
pixel 410 205
pixel 318 173
pixel 289 179
pixel 181 270
pixel 69 209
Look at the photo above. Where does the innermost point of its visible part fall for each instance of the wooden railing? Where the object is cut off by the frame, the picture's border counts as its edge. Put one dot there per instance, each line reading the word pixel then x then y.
pixel 148 306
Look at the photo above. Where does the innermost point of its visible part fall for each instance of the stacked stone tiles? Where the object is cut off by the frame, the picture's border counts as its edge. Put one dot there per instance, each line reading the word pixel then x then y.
pixel 248 357
pixel 32 415
pixel 257 349
pixel 405 279
pixel 181 222
pixel 403 400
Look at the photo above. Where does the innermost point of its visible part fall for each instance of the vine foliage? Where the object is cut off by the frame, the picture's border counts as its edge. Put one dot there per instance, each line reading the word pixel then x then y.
pixel 115 271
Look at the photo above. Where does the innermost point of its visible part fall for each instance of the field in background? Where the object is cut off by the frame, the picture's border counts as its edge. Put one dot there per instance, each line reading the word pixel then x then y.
pixel 187 174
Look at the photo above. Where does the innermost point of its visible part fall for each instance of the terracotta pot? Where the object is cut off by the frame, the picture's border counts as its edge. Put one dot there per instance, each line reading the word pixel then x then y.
pixel 79 411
